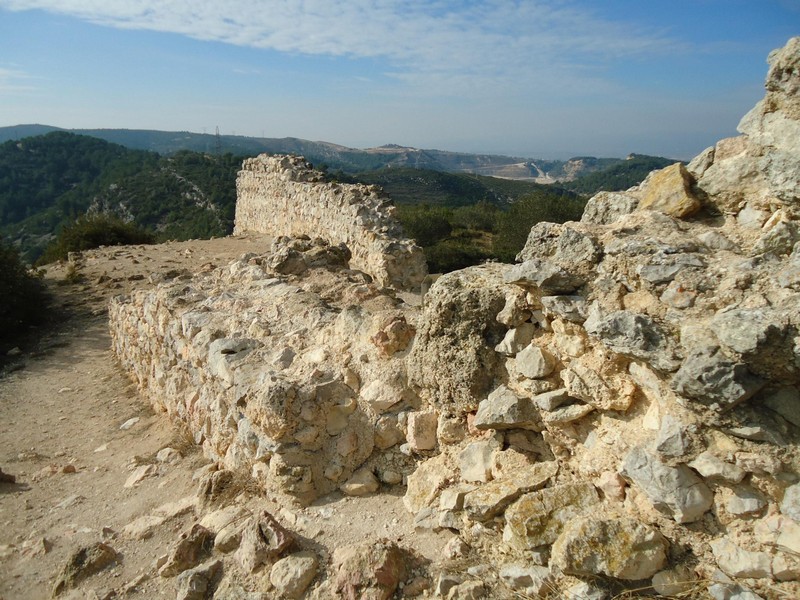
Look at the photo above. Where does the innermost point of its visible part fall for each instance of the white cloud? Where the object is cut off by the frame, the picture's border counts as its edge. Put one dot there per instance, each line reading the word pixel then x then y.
pixel 14 81
pixel 435 45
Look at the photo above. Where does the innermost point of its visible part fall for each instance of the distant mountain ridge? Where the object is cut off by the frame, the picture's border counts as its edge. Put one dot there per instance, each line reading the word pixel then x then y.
pixel 337 157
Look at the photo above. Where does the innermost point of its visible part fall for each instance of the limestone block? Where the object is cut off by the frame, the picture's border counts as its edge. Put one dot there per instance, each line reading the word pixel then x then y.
pixel 545 276
pixel 738 562
pixel 535 362
pixel 620 548
pixel 516 339
pixel 669 191
pixel 709 376
pixel 292 574
pixel 492 498
pixel 711 467
pixel 676 491
pixel 634 335
pixel 537 519
pixel 421 432
pixel 605 208
pixel 569 308
pixel 476 461
pixel 503 409
pixel 426 482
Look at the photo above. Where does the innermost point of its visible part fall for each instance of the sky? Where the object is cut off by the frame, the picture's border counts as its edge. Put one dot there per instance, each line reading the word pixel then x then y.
pixel 528 78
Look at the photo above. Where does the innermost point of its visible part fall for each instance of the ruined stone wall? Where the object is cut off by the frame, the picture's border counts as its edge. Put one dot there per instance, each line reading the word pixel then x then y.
pixel 620 408
pixel 283 195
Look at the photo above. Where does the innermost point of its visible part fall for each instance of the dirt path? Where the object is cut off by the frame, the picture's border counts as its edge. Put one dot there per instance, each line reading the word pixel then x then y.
pixel 62 409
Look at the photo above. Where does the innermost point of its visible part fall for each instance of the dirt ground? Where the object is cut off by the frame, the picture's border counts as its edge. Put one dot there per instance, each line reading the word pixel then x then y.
pixel 63 402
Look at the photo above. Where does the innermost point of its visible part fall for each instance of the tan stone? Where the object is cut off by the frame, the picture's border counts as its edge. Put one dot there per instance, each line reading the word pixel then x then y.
pixel 669 191
pixel 537 519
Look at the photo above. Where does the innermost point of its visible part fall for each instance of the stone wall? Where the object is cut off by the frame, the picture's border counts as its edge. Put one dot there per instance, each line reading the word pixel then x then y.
pixel 283 195
pixel 620 406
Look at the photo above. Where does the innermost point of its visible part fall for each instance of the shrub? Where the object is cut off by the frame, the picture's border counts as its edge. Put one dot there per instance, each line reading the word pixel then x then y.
pixel 514 225
pixel 93 231
pixel 23 295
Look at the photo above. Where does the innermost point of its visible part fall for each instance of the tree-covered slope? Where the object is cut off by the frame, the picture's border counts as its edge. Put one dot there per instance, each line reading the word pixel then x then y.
pixel 48 181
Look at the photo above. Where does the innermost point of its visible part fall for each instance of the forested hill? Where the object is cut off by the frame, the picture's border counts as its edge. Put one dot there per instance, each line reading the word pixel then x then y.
pixel 47 181
pixel 618 176
pixel 337 157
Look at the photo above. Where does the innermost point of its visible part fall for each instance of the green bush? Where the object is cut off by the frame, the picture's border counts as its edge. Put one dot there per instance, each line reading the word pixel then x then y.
pixel 93 231
pixel 514 225
pixel 23 295
pixel 427 225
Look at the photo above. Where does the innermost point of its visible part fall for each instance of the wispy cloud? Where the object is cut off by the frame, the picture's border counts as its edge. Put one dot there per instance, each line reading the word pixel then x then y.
pixel 429 44
pixel 14 81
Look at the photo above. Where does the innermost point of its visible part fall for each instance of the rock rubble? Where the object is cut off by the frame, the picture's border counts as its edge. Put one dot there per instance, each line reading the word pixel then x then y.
pixel 619 406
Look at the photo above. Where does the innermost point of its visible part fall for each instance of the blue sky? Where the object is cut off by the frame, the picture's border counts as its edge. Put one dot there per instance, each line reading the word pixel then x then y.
pixel 534 78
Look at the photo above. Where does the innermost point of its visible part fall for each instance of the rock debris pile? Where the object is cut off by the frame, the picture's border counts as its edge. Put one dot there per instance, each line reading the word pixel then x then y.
pixel 284 196
pixel 620 409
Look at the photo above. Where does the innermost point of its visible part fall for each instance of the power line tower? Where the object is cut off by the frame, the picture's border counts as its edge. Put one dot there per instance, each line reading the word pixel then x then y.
pixel 218 142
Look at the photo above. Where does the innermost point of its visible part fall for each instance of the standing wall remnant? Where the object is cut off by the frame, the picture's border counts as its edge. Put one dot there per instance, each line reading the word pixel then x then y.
pixel 284 195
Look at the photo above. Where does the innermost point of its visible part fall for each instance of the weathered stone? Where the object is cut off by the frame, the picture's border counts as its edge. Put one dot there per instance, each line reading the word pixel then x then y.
pixel 730 591
pixel 634 335
pixel 711 467
pixel 709 376
pixel 198 583
pixel 531 580
pixel 569 308
pixel 82 563
pixel 537 519
pixel 786 567
pixel 584 383
pixel 188 551
pixel 552 400
pixel 670 191
pixel 671 440
pixel 263 541
pixel 785 402
pixel 744 501
pixel 516 339
pixel 790 505
pixel 362 482
pixel 747 330
pixel 421 434
pixel 369 571
pixel 426 482
pixel 503 409
pixel 394 335
pixel 535 362
pixel 737 562
pixel 475 461
pixel 451 359
pixel 605 208
pixel 292 574
pixel 141 473
pixel 492 498
pixel 551 279
pixel 380 396
pixel 677 491
pixel 143 527
pixel 566 414
pixel 620 548
pixel 674 581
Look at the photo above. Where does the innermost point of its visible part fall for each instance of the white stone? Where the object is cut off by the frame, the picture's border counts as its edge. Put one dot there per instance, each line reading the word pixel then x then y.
pixel 292 574
pixel 738 562
pixel 362 482
pixel 516 339
pixel 475 461
pixel 535 362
